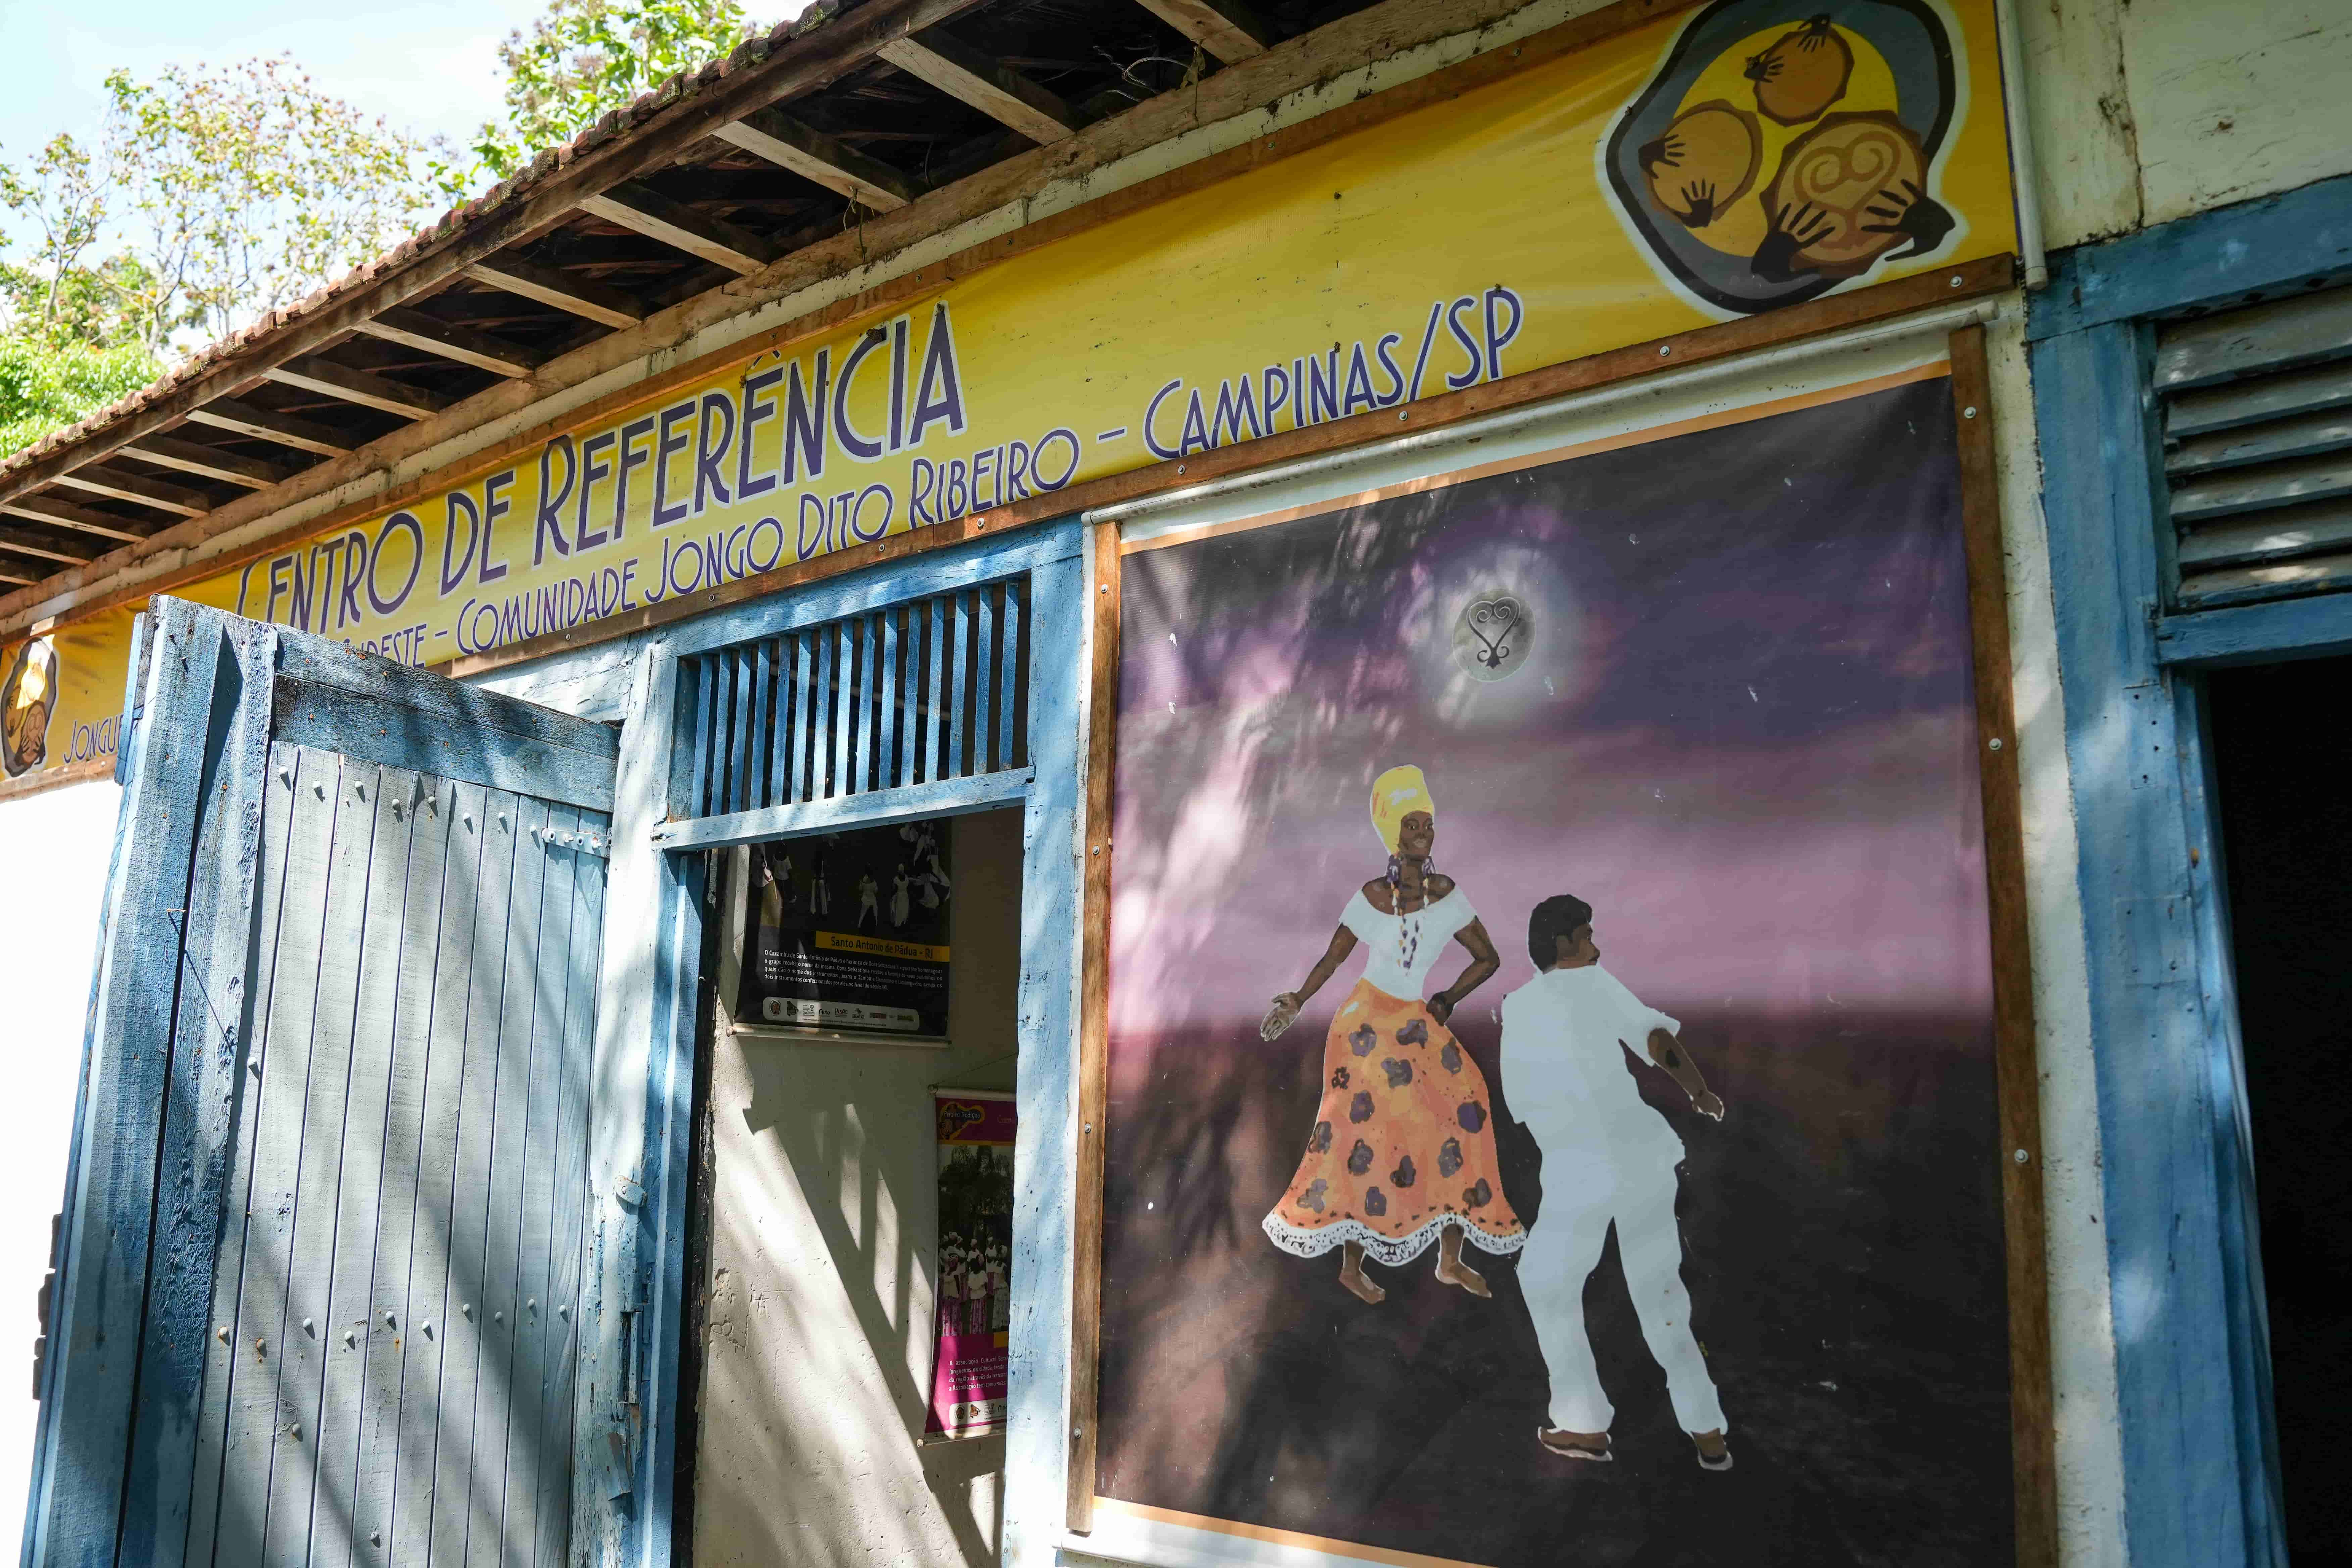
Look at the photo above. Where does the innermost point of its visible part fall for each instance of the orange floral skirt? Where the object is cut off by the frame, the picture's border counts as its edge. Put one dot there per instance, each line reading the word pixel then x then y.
pixel 1403 1142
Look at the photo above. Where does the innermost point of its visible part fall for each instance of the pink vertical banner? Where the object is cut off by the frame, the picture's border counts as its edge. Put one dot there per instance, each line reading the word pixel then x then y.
pixel 974 1293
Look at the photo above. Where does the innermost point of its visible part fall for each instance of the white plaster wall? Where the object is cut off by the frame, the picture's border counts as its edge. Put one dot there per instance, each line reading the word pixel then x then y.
pixel 823 1263
pixel 2082 1331
pixel 54 847
pixel 2147 111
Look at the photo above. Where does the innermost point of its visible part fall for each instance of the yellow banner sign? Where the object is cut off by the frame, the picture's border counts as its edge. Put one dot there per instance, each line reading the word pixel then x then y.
pixel 882 946
pixel 1724 162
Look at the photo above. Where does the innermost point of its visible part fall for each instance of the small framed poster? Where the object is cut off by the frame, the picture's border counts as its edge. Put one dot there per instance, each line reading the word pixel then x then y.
pixel 848 933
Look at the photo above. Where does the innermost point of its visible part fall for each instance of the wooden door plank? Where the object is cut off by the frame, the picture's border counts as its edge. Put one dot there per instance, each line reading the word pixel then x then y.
pixel 761 657
pixel 386 1331
pixel 739 740
pixel 983 662
pixel 890 774
pixel 959 690
pixel 1012 748
pixel 583 953
pixel 207 1027
pixel 294 1455
pixel 498 1303
pixel 461 1352
pixel 934 697
pixel 78 1513
pixel 342 1339
pixel 222 1363
pixel 424 1326
pixel 527 1400
pixel 283 1051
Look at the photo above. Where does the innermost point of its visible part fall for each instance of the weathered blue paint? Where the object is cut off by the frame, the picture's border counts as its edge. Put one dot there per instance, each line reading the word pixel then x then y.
pixel 2190 1342
pixel 679 729
pixel 2315 628
pixel 375 729
pixel 2231 256
pixel 876 808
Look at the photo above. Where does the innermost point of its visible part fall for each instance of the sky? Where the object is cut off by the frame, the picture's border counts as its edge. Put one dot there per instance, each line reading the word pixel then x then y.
pixel 428 66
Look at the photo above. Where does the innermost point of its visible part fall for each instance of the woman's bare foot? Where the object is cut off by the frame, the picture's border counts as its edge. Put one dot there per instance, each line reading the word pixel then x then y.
pixel 1574 1445
pixel 1453 1271
pixel 1460 1273
pixel 1714 1453
pixel 1352 1275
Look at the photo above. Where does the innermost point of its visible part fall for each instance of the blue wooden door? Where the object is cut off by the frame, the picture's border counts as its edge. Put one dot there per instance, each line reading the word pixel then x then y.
pixel 319 1295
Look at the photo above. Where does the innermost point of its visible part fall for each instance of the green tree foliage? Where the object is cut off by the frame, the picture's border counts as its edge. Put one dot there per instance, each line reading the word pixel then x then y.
pixel 585 57
pixel 204 199
pixel 45 385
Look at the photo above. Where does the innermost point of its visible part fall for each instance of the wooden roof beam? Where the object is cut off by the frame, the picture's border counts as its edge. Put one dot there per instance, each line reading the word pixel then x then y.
pixel 139 492
pixel 996 90
pixel 269 424
pixel 811 154
pixel 416 330
pixel 558 291
pixel 363 387
pixel 194 457
pixel 17 541
pixel 639 207
pixel 1227 28
pixel 81 520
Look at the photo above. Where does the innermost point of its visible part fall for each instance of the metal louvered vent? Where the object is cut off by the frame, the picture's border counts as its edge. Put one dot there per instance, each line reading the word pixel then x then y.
pixel 921 692
pixel 2258 448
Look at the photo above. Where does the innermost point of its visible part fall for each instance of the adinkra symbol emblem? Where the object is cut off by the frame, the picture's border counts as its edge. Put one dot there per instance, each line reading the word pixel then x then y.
pixel 1491 635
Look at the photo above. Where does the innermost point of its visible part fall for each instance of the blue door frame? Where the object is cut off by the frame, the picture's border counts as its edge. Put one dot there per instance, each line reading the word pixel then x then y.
pixel 2192 1354
pixel 1052 796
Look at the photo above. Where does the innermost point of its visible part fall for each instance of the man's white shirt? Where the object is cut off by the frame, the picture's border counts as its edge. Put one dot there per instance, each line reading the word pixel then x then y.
pixel 1566 1077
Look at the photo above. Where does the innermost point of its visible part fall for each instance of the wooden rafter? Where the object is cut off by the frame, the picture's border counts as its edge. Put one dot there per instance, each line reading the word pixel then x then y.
pixel 81 520
pixel 416 330
pixel 557 290
pixel 996 90
pixel 192 458
pixel 809 153
pixel 17 541
pixel 1227 28
pixel 363 387
pixel 800 65
pixel 646 211
pixel 269 424
pixel 137 490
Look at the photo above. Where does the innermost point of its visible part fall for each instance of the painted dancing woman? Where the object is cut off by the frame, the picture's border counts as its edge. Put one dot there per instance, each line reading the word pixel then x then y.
pixel 1402 1150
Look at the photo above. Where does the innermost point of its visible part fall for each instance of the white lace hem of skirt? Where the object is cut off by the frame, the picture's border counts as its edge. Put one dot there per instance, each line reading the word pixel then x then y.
pixel 1389 1249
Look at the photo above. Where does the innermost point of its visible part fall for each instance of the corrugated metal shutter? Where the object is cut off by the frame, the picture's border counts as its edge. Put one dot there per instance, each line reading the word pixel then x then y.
pixel 2257 411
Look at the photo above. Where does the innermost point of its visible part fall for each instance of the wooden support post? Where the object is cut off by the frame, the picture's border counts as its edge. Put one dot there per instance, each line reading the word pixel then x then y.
pixel 1227 28
pixel 811 154
pixel 416 330
pixel 995 91
pixel 557 290
pixel 285 429
pixel 365 388
pixel 644 210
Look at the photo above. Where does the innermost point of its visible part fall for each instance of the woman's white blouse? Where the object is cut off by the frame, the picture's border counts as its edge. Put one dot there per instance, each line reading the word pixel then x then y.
pixel 1403 949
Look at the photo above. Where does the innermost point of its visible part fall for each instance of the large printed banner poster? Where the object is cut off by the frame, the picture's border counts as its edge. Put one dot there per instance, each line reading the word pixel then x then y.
pixel 1728 160
pixel 970 1363
pixel 1551 1059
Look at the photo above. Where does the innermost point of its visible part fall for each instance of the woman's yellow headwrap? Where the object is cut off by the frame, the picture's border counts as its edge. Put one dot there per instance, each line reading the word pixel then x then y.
pixel 1397 795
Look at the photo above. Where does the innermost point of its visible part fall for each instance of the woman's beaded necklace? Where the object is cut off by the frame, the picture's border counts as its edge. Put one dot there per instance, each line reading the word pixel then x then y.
pixel 1408 930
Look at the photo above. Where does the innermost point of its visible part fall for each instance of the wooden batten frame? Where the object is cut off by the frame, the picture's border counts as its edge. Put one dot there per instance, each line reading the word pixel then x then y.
pixel 1353 43
pixel 2033 1415
pixel 1093 1036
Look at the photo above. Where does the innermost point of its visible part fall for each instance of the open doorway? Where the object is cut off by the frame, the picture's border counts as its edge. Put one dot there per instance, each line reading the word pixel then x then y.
pixel 2281 759
pixel 851 977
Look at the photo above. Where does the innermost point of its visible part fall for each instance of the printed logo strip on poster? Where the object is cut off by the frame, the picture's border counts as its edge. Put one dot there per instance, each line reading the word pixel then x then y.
pixel 1720 163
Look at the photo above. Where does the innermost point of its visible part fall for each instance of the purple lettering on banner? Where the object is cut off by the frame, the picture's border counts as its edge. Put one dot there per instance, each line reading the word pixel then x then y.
pixel 1395 394
pixel 755 410
pixel 920 476
pixel 803 549
pixel 635 430
pixel 590 470
pixel 1477 367
pixel 1038 460
pixel 406 521
pixel 494 506
pixel 1151 414
pixel 1196 428
pixel 547 525
pixel 668 445
pixel 1498 338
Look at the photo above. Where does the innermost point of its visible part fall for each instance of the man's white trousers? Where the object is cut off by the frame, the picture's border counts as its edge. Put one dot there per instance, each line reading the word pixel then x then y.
pixel 1562 1253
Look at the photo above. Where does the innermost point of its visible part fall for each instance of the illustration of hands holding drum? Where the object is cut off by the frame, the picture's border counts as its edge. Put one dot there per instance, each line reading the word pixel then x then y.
pixel 1778 152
